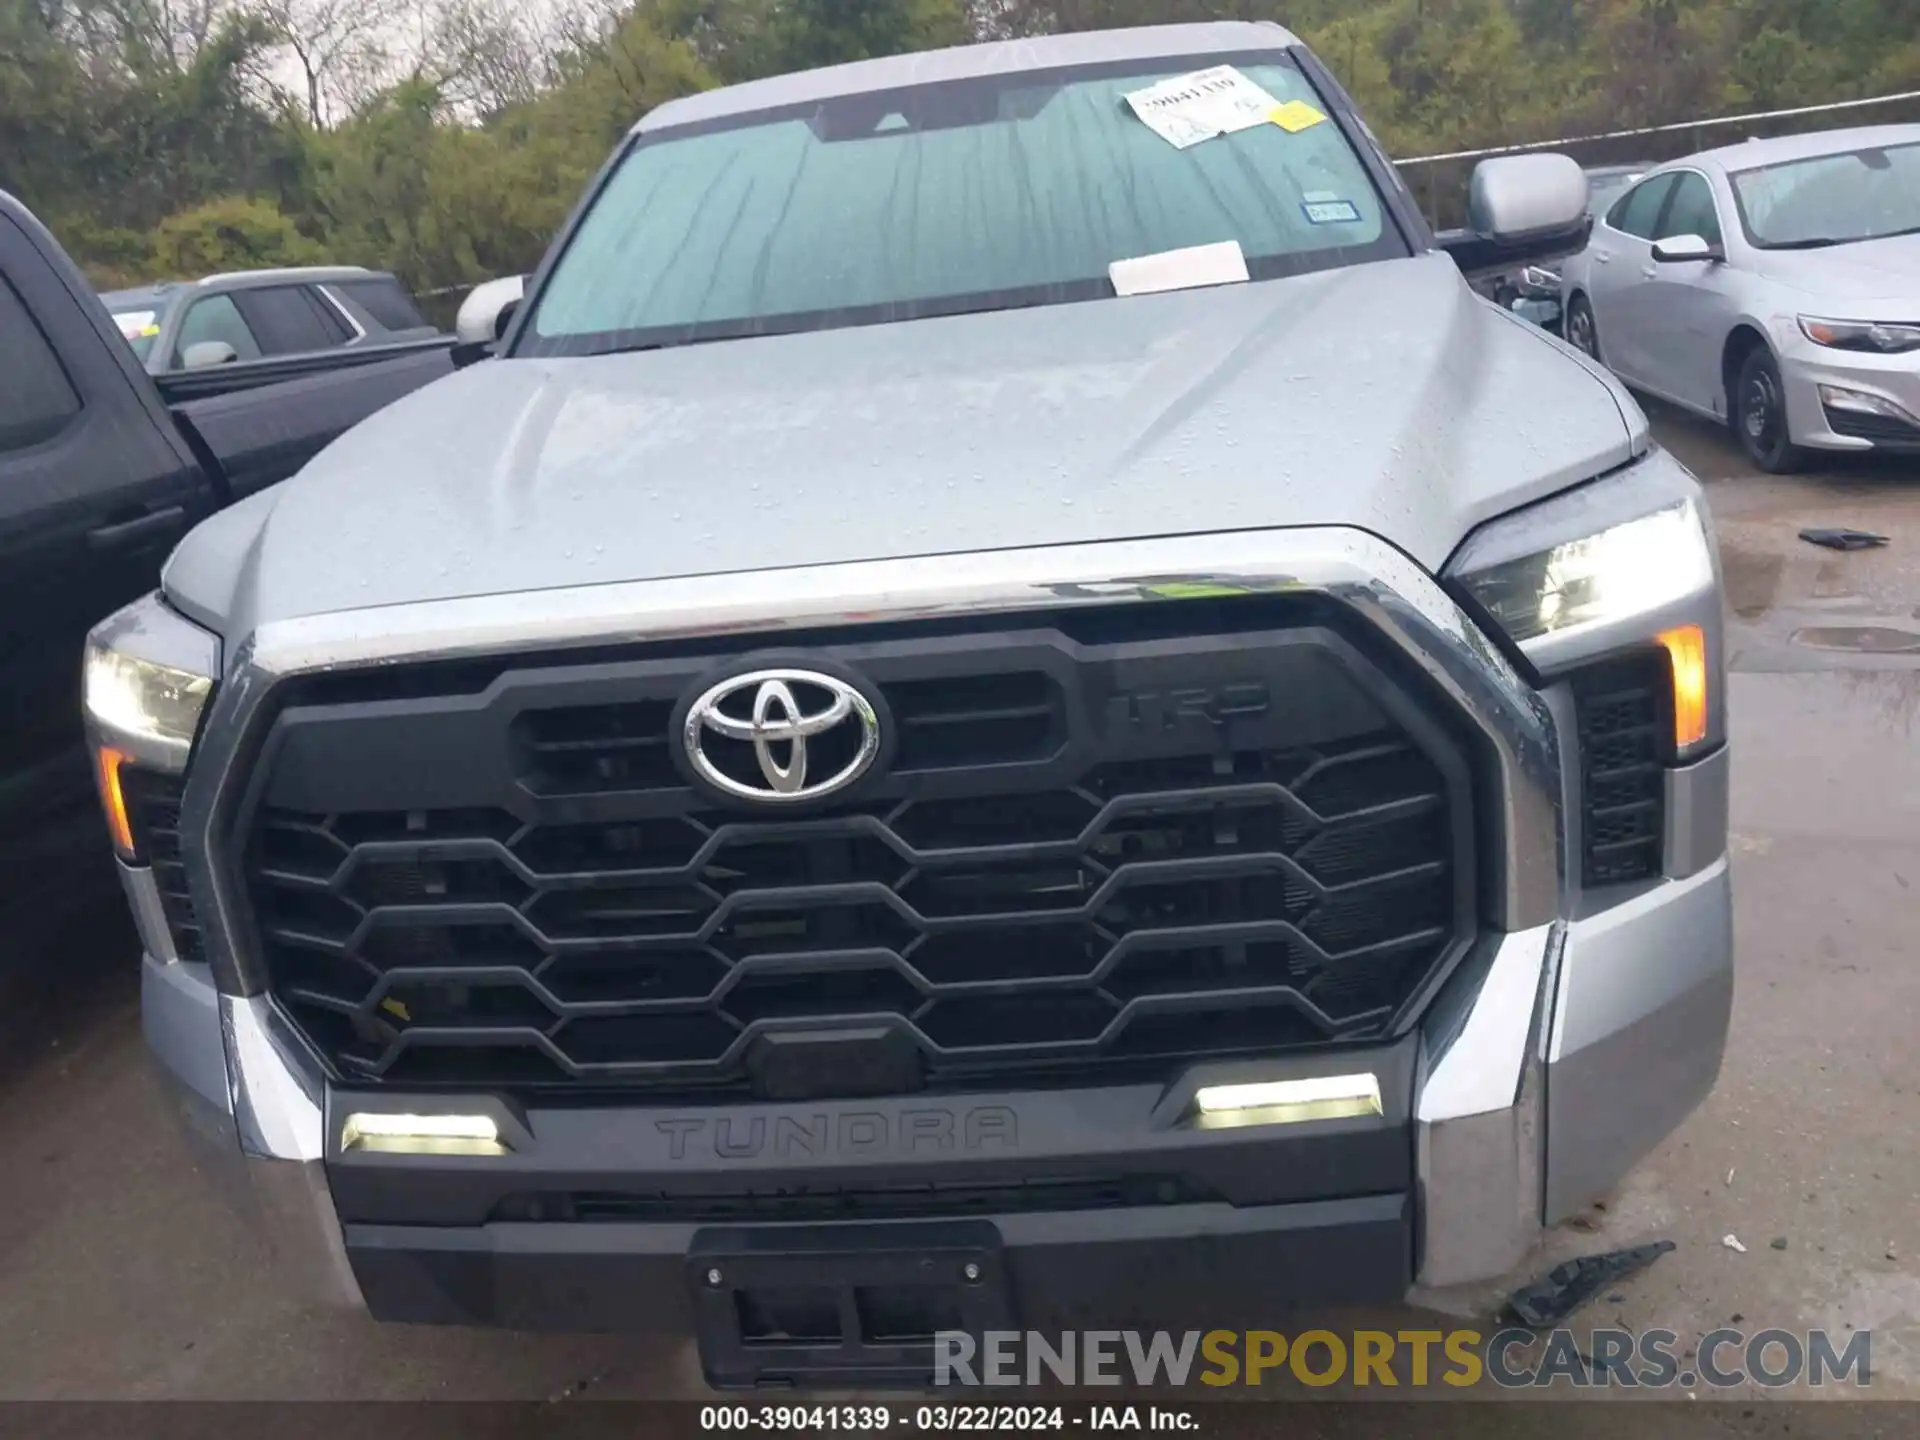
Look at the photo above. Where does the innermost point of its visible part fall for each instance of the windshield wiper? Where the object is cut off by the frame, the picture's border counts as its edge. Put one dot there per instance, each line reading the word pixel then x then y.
pixel 646 345
pixel 1821 242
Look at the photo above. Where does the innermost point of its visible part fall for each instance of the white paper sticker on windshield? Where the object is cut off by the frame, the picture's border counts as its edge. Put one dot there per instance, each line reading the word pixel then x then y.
pixel 1187 109
pixel 135 323
pixel 1188 269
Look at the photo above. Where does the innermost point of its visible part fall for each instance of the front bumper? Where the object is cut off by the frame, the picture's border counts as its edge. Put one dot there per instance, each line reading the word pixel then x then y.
pixel 1547 1068
pixel 1891 379
pixel 1574 1036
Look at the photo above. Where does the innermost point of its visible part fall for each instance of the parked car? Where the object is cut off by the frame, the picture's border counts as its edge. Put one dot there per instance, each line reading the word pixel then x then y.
pixel 263 314
pixel 1774 285
pixel 103 469
pixel 1533 291
pixel 941 743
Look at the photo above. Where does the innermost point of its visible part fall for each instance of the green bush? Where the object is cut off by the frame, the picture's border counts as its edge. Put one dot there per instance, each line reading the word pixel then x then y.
pixel 234 233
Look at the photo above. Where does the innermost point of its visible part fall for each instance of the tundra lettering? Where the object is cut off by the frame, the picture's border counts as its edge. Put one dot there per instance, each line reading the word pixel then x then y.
pixel 923 1131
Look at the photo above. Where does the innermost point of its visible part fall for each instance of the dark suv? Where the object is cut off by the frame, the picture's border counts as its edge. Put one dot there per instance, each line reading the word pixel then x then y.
pixel 263 314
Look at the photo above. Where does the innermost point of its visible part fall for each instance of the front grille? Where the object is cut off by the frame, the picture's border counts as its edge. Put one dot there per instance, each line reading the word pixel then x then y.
pixel 1883 429
pixel 1083 855
pixel 153 816
pixel 887 1202
pixel 943 724
pixel 1623 722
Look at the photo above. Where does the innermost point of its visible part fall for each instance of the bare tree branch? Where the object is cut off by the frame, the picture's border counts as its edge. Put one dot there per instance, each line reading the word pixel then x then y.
pixel 342 50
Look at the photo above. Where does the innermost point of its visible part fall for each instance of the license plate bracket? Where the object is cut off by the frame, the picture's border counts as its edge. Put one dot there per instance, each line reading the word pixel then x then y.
pixel 829 1306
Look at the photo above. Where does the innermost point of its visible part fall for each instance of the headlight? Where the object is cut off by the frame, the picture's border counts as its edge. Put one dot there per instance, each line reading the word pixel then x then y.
pixel 1873 336
pixel 1633 568
pixel 148 675
pixel 1540 280
pixel 1623 563
pixel 154 706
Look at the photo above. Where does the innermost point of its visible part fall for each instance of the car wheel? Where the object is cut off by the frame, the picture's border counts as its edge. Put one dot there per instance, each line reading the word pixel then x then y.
pixel 1582 333
pixel 1757 411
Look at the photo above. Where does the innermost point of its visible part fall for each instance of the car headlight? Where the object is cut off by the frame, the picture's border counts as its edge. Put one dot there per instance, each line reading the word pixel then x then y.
pixel 146 680
pixel 1623 563
pixel 155 706
pixel 1876 337
pixel 1632 568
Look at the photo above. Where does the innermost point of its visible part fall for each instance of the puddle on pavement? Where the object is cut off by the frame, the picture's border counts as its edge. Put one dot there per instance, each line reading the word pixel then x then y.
pixel 1752 581
pixel 1860 639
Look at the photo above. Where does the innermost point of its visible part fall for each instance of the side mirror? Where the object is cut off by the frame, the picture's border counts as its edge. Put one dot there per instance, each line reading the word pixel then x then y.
pixel 205 354
pixel 1521 210
pixel 1679 249
pixel 488 308
pixel 1512 197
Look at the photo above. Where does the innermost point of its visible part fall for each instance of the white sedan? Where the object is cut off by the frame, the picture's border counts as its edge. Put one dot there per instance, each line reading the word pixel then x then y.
pixel 1773 284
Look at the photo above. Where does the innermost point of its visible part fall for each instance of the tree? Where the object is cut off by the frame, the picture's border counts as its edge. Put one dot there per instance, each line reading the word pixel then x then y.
pixel 342 49
pixel 447 139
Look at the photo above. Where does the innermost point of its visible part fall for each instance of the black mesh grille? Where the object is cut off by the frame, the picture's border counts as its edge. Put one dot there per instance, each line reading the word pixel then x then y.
pixel 153 812
pixel 1053 875
pixel 1885 429
pixel 1623 715
pixel 944 724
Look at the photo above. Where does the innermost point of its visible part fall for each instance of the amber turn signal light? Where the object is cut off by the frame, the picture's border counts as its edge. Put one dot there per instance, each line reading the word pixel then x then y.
pixel 107 763
pixel 1686 647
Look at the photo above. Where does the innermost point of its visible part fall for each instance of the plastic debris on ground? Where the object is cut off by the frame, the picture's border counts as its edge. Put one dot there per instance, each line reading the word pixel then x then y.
pixel 1843 539
pixel 1732 1242
pixel 1569 1285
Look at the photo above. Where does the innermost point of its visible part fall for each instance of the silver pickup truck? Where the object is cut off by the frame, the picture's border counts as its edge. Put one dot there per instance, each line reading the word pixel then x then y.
pixel 1008 705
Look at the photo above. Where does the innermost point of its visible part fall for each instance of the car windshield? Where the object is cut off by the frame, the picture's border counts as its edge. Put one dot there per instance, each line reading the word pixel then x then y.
pixel 139 321
pixel 1838 199
pixel 1011 190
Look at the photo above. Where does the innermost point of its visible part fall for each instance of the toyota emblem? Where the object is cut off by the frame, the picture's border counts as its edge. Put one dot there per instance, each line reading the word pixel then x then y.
pixel 784 726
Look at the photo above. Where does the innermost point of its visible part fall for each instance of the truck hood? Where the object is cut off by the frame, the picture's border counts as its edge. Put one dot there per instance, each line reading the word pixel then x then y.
pixel 1384 396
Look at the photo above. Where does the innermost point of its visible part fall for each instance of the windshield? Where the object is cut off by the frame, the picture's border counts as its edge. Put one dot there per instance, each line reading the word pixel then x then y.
pixel 1016 189
pixel 139 322
pixel 1603 190
pixel 1864 194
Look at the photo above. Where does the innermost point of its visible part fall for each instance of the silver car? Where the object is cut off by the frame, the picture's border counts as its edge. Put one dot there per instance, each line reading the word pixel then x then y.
pixel 1773 284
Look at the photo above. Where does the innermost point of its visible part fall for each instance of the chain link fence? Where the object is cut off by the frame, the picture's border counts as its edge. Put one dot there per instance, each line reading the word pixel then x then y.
pixel 441 305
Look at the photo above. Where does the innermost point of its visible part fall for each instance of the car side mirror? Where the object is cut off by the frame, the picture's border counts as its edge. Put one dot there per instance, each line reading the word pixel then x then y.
pixel 1514 197
pixel 488 309
pixel 1521 210
pixel 1679 249
pixel 205 354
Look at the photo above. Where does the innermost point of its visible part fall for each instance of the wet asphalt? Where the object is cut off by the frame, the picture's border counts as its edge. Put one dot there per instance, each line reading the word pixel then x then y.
pixel 122 1277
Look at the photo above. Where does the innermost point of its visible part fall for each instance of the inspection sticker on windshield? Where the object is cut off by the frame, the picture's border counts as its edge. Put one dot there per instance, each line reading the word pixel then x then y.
pixel 1322 207
pixel 1295 116
pixel 1187 109
pixel 137 324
